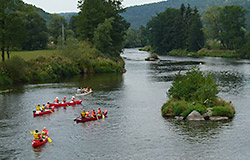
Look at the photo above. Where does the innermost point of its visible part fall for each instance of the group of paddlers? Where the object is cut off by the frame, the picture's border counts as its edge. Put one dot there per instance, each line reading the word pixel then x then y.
pixel 87 114
pixel 64 100
pixel 83 90
pixel 42 109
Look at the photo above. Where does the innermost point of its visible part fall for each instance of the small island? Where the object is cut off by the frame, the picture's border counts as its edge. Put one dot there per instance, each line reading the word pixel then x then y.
pixel 193 96
pixel 152 57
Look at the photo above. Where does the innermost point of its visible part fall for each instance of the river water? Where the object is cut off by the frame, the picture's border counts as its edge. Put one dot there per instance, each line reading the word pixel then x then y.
pixel 134 128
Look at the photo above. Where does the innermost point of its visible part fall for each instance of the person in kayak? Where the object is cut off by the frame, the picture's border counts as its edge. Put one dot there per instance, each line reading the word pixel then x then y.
pixel 93 114
pixel 64 99
pixel 83 113
pixel 72 99
pixel 37 135
pixel 38 107
pixel 48 106
pixel 79 90
pixel 43 107
pixel 99 112
pixel 87 114
pixel 56 100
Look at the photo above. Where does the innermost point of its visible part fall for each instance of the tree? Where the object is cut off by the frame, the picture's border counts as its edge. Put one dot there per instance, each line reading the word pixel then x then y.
pixel 232 20
pixel 195 39
pixel 36 30
pixel 95 12
pixel 10 25
pixel 102 37
pixel 55 27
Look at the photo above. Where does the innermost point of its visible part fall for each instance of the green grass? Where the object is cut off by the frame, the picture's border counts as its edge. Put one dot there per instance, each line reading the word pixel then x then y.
pixel 28 55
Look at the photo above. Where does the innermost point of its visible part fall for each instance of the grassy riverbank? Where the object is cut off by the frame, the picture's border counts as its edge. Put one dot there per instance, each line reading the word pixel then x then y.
pixel 206 53
pixel 47 65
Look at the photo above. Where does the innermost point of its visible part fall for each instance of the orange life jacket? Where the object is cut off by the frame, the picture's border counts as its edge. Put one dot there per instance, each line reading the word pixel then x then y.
pixel 72 99
pixel 93 113
pixel 56 100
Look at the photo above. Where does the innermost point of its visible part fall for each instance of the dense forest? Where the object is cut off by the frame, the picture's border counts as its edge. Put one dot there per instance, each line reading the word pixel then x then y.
pixel 140 15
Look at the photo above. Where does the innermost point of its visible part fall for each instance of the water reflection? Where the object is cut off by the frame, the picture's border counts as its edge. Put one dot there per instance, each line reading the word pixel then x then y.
pixel 199 131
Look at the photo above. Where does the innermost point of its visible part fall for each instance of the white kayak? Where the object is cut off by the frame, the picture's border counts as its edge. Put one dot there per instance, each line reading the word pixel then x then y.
pixel 85 93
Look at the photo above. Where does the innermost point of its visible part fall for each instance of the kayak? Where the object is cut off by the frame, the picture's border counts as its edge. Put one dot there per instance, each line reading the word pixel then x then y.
pixel 37 143
pixel 85 93
pixel 104 113
pixel 66 104
pixel 40 113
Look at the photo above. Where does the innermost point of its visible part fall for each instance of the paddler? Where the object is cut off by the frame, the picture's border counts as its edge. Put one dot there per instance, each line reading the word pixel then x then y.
pixel 64 99
pixel 83 113
pixel 44 133
pixel 38 107
pixel 99 112
pixel 56 100
pixel 93 114
pixel 73 99
pixel 48 105
pixel 37 135
pixel 43 107
pixel 87 114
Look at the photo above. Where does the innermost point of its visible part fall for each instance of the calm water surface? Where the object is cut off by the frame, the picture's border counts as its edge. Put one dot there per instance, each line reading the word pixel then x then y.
pixel 134 128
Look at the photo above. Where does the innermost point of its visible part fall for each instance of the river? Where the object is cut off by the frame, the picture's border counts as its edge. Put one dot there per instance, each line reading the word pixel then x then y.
pixel 134 128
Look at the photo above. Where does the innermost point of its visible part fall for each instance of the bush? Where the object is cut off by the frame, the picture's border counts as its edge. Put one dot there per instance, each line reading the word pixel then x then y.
pixel 222 111
pixel 199 108
pixel 194 87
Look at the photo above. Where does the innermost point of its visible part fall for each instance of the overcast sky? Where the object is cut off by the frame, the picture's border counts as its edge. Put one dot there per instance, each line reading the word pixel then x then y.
pixel 57 6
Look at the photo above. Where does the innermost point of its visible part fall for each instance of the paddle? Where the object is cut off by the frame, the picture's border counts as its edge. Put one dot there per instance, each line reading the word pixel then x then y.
pixel 49 140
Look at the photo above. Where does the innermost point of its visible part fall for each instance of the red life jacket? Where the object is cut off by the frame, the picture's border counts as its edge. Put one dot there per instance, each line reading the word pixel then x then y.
pixel 93 113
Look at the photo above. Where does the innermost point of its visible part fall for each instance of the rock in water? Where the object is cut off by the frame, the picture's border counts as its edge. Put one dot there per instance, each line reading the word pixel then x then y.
pixel 195 116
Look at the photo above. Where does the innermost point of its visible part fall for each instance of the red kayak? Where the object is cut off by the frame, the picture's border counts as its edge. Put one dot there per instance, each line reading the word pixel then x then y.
pixel 40 113
pixel 66 104
pixel 104 113
pixel 37 143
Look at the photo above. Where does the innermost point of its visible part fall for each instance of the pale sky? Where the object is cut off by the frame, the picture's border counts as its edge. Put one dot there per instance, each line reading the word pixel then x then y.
pixel 58 6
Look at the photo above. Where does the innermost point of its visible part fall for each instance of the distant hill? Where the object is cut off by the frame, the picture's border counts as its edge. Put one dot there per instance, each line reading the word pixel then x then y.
pixel 140 15
pixel 68 15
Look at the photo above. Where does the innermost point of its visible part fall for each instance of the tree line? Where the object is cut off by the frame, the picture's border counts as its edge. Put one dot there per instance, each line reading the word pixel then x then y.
pixel 99 22
pixel 222 28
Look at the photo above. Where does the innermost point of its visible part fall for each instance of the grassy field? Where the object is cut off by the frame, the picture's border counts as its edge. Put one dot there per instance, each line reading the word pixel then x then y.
pixel 27 55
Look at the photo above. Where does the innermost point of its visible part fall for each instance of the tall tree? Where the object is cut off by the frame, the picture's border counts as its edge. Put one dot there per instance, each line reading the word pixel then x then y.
pixel 195 38
pixel 232 20
pixel 95 12
pixel 10 24
pixel 36 30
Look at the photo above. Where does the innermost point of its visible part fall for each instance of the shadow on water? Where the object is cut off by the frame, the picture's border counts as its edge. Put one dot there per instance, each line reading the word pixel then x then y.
pixel 165 70
pixel 199 131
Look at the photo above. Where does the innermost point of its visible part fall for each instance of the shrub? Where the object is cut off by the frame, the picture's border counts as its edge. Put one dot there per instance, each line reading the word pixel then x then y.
pixel 194 86
pixel 222 111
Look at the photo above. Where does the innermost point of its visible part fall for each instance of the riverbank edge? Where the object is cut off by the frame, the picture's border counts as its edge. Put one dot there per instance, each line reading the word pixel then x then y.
pixel 51 68
pixel 182 110
pixel 204 52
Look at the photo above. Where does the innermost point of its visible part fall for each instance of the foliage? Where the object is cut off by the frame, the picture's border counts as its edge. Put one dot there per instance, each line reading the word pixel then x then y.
pixel 198 107
pixel 95 12
pixel 222 111
pixel 176 29
pixel 36 30
pixel 194 86
pixel 226 24
pixel 55 27
pixel 139 15
pixel 136 37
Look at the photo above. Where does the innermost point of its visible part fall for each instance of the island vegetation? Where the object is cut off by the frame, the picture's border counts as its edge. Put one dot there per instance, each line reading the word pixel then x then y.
pixel 38 49
pixel 196 91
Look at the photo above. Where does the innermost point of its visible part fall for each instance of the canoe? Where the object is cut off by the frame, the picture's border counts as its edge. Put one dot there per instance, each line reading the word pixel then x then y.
pixel 66 104
pixel 40 113
pixel 91 118
pixel 37 143
pixel 83 94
